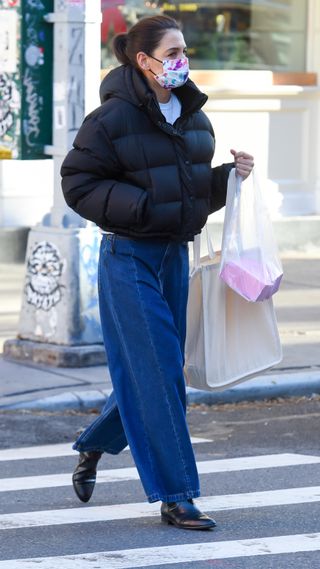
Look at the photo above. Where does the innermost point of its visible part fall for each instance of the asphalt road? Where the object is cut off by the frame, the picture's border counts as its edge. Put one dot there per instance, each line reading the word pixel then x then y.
pixel 281 434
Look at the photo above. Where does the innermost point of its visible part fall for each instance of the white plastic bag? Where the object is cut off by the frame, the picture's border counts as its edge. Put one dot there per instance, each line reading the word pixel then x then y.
pixel 250 263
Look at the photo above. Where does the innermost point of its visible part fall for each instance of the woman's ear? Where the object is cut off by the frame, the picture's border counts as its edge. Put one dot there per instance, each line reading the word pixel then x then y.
pixel 142 61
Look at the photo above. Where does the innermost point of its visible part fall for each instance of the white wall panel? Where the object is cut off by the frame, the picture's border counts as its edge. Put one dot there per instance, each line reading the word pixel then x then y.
pixel 280 126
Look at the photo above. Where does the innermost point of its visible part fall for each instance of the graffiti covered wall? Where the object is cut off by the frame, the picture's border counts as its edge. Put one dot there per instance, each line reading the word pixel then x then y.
pixel 26 67
pixel 9 78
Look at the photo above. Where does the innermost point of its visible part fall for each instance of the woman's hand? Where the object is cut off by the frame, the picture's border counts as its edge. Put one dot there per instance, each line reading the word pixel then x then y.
pixel 243 163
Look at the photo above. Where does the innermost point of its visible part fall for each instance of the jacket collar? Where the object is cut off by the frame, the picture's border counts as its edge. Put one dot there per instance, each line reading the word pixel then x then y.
pixel 125 82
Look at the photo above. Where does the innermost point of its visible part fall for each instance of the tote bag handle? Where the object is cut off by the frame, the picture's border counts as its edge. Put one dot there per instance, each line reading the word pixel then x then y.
pixel 197 248
pixel 197 239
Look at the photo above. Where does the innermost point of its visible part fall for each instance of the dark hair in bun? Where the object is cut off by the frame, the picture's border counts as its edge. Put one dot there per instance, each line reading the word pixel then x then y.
pixel 119 46
pixel 144 36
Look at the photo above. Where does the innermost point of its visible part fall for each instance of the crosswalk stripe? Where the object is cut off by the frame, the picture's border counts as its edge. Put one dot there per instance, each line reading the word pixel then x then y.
pixel 182 553
pixel 282 497
pixel 125 474
pixel 52 451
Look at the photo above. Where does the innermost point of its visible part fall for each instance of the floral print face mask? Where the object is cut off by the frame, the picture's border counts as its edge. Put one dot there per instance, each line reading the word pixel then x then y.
pixel 175 72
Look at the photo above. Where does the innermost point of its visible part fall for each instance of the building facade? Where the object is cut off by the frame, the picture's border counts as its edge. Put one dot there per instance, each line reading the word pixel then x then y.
pixel 259 62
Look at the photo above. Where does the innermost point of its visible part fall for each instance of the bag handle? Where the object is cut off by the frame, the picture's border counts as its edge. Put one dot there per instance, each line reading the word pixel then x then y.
pixel 232 203
pixel 210 247
pixel 239 180
pixel 197 247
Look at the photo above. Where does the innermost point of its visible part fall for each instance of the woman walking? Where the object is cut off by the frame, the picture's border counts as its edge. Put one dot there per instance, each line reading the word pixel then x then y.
pixel 141 170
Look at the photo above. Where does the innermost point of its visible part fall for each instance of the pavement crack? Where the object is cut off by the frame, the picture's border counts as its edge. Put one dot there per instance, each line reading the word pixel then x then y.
pixel 37 390
pixel 270 419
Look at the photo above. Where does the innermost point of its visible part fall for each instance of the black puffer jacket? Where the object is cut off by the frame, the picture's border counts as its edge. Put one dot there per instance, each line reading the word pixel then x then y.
pixel 134 174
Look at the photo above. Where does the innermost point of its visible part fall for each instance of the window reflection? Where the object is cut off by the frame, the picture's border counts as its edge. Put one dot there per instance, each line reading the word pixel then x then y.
pixel 247 34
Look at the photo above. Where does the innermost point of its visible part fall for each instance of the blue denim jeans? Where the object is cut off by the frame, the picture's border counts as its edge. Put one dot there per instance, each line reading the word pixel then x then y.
pixel 143 290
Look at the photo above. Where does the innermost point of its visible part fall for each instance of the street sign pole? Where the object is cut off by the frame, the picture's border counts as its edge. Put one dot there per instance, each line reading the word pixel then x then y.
pixel 59 321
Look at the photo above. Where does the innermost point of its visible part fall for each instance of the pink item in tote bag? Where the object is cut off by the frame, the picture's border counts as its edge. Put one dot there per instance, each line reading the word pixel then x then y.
pixel 250 277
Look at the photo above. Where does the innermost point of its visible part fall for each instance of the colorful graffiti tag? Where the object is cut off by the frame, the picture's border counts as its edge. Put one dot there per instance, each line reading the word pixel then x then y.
pixel 9 3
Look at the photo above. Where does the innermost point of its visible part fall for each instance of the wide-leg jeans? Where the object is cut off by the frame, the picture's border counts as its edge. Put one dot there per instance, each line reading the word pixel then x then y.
pixel 143 290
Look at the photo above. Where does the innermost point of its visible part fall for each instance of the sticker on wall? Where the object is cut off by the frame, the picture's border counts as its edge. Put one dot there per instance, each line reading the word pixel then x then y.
pixel 34 55
pixel 44 269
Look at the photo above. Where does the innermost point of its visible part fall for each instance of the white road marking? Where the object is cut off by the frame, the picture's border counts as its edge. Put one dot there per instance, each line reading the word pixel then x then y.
pixel 51 451
pixel 182 553
pixel 125 474
pixel 283 497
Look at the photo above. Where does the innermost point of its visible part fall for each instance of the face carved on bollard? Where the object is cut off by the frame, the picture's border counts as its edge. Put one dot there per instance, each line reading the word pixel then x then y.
pixel 44 269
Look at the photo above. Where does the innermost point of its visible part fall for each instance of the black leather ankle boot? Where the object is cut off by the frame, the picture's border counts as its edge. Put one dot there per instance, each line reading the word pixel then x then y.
pixel 185 515
pixel 84 476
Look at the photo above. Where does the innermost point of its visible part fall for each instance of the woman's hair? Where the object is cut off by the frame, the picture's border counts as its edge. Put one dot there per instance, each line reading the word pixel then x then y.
pixel 144 36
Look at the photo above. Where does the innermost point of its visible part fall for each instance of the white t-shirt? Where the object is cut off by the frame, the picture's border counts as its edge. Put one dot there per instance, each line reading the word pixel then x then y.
pixel 172 109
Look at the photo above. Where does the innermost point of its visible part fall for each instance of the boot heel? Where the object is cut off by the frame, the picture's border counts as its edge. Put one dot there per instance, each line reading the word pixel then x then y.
pixel 166 520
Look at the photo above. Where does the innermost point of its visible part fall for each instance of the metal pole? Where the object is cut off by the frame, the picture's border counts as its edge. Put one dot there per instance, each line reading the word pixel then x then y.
pixel 59 322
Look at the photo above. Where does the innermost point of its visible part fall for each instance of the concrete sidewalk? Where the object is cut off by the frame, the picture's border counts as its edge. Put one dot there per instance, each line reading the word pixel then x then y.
pixel 53 389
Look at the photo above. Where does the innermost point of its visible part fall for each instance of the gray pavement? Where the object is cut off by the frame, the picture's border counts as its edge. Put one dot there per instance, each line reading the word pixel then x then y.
pixel 298 311
pixel 259 471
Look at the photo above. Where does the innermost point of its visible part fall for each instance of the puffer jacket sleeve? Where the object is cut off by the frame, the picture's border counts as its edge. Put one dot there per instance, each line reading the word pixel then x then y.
pixel 91 183
pixel 219 184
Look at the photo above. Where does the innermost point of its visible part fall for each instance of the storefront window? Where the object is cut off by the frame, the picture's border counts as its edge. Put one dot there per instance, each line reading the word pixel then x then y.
pixel 231 34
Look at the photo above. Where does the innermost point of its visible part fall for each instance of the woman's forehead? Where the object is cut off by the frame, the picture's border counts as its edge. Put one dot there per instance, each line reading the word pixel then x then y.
pixel 172 39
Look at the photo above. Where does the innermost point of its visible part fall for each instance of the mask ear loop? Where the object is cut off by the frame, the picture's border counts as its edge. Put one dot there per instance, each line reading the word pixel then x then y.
pixel 156 59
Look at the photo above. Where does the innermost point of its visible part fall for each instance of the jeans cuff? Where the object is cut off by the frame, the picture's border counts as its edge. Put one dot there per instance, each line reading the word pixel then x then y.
pixel 182 497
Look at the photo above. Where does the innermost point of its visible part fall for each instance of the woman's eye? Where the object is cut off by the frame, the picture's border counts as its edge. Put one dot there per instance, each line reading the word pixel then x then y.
pixel 176 54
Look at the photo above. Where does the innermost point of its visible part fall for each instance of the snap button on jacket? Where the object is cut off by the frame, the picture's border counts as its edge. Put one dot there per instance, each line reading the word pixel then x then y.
pixel 134 174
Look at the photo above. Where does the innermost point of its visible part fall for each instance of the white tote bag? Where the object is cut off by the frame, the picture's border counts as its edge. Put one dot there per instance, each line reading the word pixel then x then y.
pixel 228 339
